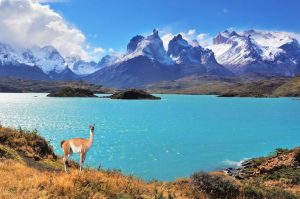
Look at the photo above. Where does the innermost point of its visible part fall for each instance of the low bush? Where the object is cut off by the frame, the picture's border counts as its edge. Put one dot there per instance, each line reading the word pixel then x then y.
pixel 297 156
pixel 29 143
pixel 253 192
pixel 287 174
pixel 217 187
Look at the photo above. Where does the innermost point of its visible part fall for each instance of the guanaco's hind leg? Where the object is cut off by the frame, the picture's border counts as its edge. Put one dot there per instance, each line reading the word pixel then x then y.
pixel 65 159
pixel 67 151
pixel 82 158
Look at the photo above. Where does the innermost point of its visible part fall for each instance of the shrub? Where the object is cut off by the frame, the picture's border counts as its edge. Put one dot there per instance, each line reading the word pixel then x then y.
pixel 252 192
pixel 27 142
pixel 276 193
pixel 297 156
pixel 290 175
pixel 215 186
pixel 279 151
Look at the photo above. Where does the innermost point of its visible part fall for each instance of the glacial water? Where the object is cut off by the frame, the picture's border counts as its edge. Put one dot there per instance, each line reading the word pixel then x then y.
pixel 163 139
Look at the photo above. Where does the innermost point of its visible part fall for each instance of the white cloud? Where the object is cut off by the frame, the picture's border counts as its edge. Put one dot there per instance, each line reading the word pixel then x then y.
pixel 166 39
pixel 295 35
pixel 110 50
pixel 191 32
pixel 99 50
pixel 28 23
pixel 202 36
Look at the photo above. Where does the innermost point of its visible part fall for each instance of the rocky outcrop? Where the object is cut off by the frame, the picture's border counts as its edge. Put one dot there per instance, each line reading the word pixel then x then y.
pixel 72 92
pixel 133 94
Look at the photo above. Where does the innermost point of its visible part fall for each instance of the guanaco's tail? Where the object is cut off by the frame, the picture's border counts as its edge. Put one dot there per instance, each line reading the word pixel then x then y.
pixel 61 143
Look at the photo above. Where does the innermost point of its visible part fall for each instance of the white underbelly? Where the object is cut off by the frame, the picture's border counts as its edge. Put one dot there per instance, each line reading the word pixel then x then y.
pixel 75 149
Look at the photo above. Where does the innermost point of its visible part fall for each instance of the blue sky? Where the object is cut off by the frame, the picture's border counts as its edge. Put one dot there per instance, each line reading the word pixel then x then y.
pixel 111 23
pixel 89 28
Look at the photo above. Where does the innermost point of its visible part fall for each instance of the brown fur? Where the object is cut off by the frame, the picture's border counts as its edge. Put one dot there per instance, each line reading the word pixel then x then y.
pixel 61 143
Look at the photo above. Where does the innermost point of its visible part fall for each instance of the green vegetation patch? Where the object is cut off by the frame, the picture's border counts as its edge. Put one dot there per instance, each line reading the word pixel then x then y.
pixel 7 153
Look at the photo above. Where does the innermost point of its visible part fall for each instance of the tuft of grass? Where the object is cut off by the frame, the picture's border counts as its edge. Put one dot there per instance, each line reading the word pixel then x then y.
pixel 21 179
pixel 8 153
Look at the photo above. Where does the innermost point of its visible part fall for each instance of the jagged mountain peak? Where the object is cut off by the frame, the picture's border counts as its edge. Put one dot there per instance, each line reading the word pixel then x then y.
pixel 150 46
pixel 194 58
pixel 195 43
pixel 132 45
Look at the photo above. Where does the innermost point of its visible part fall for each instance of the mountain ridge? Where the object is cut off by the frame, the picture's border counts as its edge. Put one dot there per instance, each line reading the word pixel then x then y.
pixel 267 53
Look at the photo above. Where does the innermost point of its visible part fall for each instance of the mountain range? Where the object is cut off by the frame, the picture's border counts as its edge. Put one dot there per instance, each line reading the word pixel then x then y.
pixel 146 61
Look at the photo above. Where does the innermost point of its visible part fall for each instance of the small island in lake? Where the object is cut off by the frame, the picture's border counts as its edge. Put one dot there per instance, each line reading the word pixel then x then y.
pixel 133 94
pixel 72 92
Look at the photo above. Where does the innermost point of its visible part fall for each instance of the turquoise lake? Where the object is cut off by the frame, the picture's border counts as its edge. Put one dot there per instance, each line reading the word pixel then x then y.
pixel 161 139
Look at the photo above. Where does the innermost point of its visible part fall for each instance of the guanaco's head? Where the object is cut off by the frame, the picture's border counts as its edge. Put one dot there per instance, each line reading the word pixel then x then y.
pixel 92 127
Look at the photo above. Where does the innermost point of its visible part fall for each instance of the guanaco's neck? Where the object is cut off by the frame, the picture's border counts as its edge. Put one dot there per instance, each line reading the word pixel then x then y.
pixel 91 138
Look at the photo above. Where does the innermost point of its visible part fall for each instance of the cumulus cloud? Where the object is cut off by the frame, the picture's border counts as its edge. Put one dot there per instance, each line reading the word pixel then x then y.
pixel 295 35
pixel 29 23
pixel 190 35
pixel 99 50
pixel 191 32
pixel 202 36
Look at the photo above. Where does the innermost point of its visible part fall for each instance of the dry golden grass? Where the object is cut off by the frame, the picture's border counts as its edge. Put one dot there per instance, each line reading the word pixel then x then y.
pixel 30 169
pixel 21 181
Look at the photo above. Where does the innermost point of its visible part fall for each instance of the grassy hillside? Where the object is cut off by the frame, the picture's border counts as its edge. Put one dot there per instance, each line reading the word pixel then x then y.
pixel 192 85
pixel 232 87
pixel 290 88
pixel 17 85
pixel 30 169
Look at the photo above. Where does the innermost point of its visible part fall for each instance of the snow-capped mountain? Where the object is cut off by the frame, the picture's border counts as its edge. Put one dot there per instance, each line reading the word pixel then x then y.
pixel 147 61
pixel 84 67
pixel 107 60
pixel 46 62
pixel 150 46
pixel 48 59
pixel 266 53
pixel 262 52
pixel 193 59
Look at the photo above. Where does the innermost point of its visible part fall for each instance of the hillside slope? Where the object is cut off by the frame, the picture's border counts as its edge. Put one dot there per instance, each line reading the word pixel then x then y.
pixel 230 87
pixel 18 85
pixel 30 169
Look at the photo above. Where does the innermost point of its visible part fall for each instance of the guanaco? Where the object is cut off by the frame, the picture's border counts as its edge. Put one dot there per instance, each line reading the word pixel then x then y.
pixel 77 145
